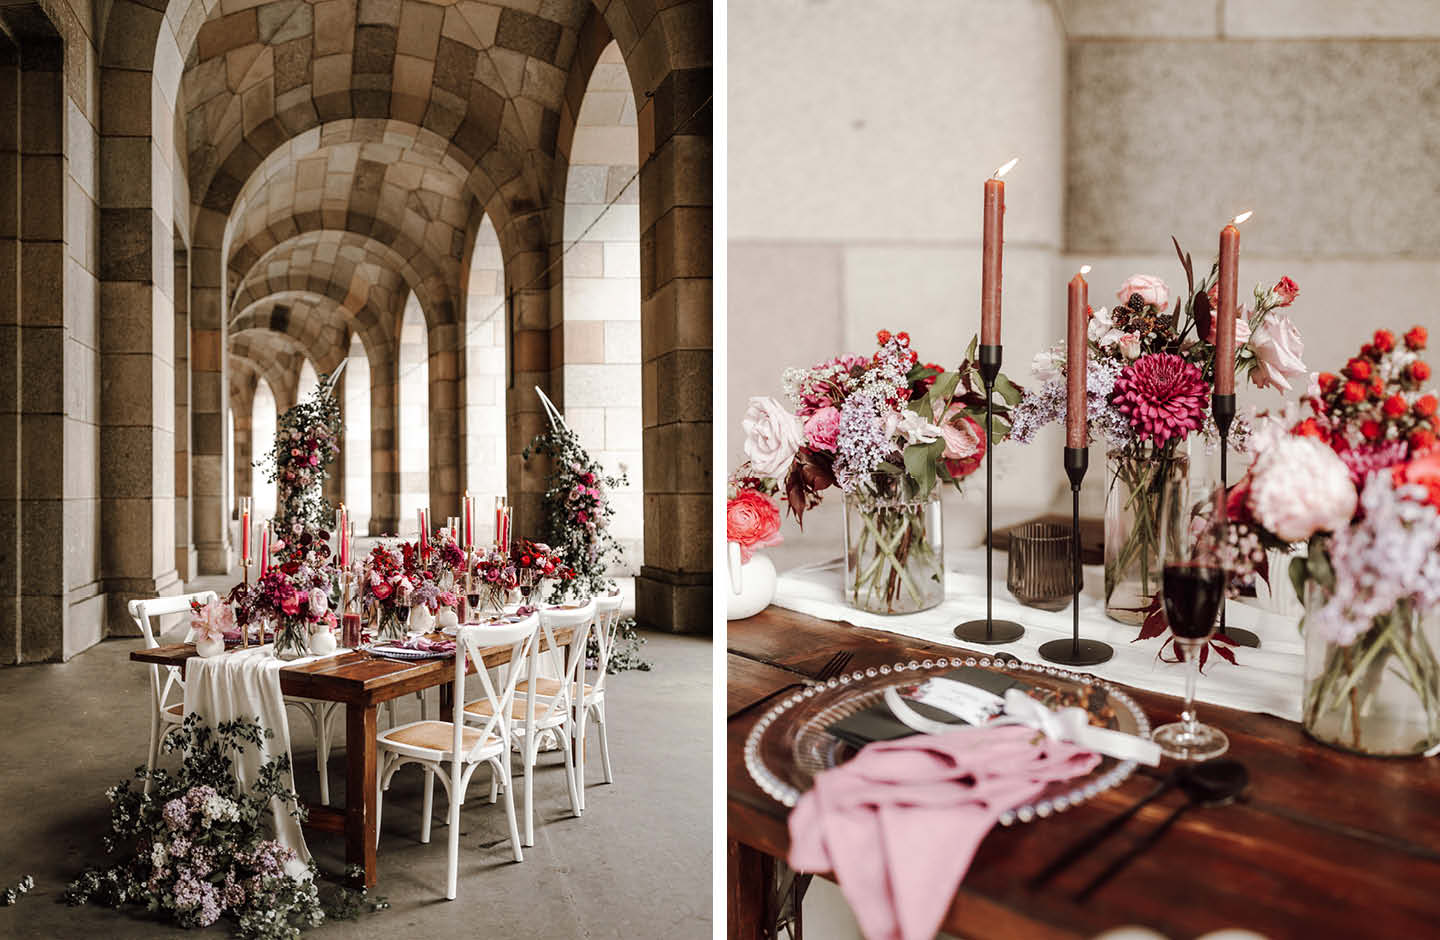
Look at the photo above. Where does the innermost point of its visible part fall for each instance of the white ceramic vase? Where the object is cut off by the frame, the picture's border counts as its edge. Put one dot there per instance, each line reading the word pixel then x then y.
pixel 210 647
pixel 421 620
pixel 322 643
pixel 752 584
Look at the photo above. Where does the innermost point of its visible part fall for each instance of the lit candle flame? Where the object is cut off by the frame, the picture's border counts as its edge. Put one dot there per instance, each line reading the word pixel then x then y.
pixel 1005 169
pixel 1084 269
pixel 1241 217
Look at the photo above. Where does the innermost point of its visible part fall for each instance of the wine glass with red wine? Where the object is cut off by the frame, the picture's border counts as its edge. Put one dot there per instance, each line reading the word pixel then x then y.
pixel 1192 587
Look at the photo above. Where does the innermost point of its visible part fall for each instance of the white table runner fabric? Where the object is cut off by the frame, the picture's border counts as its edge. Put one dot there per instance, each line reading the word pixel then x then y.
pixel 245 683
pixel 1268 679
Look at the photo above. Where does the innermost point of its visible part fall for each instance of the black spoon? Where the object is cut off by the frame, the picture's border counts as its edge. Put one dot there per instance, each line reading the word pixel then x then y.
pixel 1108 828
pixel 1213 783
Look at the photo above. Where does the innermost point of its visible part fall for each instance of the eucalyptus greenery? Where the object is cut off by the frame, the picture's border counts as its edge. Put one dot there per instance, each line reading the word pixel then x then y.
pixel 194 849
pixel 577 528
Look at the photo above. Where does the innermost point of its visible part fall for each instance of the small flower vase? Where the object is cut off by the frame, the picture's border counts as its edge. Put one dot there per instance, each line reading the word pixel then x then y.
pixel 1380 694
pixel 752 584
pixel 390 627
pixel 209 646
pixel 1134 483
pixel 894 548
pixel 421 620
pixel 322 642
pixel 292 640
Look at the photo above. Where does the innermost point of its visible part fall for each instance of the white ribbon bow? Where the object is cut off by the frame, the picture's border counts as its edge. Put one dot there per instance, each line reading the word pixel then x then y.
pixel 1066 724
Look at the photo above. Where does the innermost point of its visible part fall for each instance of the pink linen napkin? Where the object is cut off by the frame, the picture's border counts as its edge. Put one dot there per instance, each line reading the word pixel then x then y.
pixel 900 823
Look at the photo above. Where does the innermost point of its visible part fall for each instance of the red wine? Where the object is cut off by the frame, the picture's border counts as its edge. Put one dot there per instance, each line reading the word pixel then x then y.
pixel 1192 599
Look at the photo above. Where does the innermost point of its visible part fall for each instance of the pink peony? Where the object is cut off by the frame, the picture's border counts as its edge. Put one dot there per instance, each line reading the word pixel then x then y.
pixel 821 429
pixel 1152 290
pixel 1162 396
pixel 1299 487
pixel 772 436
pixel 1278 348
pixel 753 520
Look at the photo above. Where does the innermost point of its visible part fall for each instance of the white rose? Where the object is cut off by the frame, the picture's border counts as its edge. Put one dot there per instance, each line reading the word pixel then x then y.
pixel 1101 324
pixel 1278 348
pixel 916 429
pixel 772 436
pixel 1130 345
pixel 1045 366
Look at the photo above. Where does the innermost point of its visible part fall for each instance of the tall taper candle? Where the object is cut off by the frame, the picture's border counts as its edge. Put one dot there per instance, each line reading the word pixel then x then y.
pixel 1225 316
pixel 1076 355
pixel 990 260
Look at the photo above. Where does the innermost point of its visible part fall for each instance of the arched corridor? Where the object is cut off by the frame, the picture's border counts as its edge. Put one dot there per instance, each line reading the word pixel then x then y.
pixel 307 184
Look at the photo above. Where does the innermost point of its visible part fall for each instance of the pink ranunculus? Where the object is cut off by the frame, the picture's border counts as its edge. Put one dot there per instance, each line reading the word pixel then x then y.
pixel 772 436
pixel 1299 487
pixel 821 429
pixel 753 520
pixel 294 452
pixel 1278 347
pixel 1152 290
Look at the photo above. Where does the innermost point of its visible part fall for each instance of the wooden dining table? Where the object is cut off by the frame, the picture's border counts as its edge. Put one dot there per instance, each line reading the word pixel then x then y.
pixel 1324 843
pixel 361 682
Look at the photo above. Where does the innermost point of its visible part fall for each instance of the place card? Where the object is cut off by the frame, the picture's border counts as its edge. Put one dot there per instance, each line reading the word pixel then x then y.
pixel 977 694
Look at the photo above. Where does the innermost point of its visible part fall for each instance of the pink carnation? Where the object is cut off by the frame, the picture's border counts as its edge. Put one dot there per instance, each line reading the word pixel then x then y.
pixel 1162 396
pixel 821 429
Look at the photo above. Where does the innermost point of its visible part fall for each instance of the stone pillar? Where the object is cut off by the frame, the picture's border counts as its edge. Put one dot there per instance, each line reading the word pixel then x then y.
pixel 673 591
pixel 528 313
pixel 334 488
pixel 384 451
pixel 445 407
pixel 243 405
pixel 208 410
pixel 11 418
pixel 185 555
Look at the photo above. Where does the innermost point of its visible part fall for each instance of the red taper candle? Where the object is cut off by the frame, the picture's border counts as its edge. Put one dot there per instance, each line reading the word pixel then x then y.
pixel 1225 316
pixel 1076 354
pixel 991 258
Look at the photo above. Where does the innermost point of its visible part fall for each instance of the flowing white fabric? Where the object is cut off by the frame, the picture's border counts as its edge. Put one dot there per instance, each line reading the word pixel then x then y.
pixel 245 683
pixel 1268 679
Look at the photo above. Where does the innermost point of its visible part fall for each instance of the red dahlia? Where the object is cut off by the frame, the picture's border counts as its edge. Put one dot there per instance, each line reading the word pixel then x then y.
pixel 1354 393
pixel 1162 395
pixel 1419 371
pixel 1358 369
pixel 1370 429
pixel 882 337
pixel 1384 341
pixel 1328 381
pixel 1415 339
pixel 1395 406
pixel 1421 439
pixel 1425 407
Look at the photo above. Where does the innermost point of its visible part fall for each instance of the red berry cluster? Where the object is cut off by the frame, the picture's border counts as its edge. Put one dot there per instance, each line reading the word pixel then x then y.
pixel 1379 408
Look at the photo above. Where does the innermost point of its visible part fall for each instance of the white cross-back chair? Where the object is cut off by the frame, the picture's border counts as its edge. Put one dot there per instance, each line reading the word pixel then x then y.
pixel 536 716
pixel 455 748
pixel 167 693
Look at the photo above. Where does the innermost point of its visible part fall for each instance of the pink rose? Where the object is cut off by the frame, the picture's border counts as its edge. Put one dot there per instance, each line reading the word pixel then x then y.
pixel 821 428
pixel 962 436
pixel 290 603
pixel 1130 345
pixel 772 436
pixel 318 602
pixel 1285 291
pixel 1152 290
pixel 753 520
pixel 1278 348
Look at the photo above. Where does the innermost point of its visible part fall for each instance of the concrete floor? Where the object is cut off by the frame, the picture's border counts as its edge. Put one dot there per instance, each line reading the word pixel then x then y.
pixel 636 865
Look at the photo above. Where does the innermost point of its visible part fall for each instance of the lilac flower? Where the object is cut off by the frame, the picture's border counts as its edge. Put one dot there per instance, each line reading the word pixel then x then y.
pixel 1391 555
pixel 861 443
pixel 1046 404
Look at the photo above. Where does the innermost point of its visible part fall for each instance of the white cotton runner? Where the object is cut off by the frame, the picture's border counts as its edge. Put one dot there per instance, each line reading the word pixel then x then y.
pixel 245 683
pixel 1267 680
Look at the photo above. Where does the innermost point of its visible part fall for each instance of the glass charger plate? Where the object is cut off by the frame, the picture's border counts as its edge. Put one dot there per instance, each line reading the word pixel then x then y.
pixel 790 745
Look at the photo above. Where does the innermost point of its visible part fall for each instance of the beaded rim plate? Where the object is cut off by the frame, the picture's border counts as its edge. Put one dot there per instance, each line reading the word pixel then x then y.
pixel 784 759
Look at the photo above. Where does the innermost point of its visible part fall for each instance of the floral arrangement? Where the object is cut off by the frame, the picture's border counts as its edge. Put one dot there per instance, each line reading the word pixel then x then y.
pixel 1150 369
pixel 537 561
pixel 577 529
pixel 752 517
pixel 884 429
pixel 1358 480
pixel 195 849
pixel 211 621
pixel 297 593
pixel 494 576
pixel 307 440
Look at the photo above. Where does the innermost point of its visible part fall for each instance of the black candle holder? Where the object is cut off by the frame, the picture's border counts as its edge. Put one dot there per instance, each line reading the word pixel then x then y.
pixel 1223 407
pixel 1075 651
pixel 989 632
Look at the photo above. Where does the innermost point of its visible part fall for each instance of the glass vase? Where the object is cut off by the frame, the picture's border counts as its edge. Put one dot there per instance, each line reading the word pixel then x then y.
pixel 894 551
pixel 391 627
pixel 292 639
pixel 1379 695
pixel 1134 483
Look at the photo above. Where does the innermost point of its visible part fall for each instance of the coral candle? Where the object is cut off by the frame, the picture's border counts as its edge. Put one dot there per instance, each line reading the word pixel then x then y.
pixel 1225 316
pixel 469 522
pixel 265 549
pixel 991 263
pixel 1076 354
pixel 245 532
pixel 341 531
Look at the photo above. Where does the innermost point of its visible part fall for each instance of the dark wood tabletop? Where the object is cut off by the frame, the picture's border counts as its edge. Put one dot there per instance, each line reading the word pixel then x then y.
pixel 1326 844
pixel 361 682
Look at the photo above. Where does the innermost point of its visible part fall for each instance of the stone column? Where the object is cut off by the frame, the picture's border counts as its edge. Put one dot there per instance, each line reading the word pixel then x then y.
pixel 208 411
pixel 674 588
pixel 384 452
pixel 528 313
pixel 445 406
pixel 334 488
pixel 185 555
pixel 11 418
